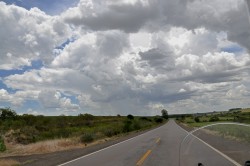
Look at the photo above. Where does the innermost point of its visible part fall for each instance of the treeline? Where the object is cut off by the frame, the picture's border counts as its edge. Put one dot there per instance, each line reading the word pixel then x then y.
pixel 25 129
pixel 233 116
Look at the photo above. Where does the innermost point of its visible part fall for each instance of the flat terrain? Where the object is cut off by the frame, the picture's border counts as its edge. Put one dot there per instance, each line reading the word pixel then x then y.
pixel 156 147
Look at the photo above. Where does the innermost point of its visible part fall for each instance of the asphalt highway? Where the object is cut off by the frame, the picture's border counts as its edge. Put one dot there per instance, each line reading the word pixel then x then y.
pixel 158 147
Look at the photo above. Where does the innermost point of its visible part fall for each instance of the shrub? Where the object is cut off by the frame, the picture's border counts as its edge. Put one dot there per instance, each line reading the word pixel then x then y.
pixel 136 125
pixel 110 132
pixel 146 119
pixel 87 137
pixel 197 119
pixel 29 119
pixel 214 119
pixel 26 135
pixel 2 145
pixel 127 126
pixel 131 117
pixel 158 119
pixel 87 116
pixel 62 133
pixel 7 114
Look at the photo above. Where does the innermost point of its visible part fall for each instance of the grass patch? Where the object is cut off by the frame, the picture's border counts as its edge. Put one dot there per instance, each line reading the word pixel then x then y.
pixel 87 138
pixel 245 110
pixel 235 132
pixel 205 120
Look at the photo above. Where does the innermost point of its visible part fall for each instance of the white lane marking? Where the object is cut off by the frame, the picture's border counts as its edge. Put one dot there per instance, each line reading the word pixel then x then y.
pixel 110 146
pixel 216 150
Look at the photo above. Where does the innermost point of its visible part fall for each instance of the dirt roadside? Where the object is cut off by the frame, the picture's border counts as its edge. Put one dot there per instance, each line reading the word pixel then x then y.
pixel 237 150
pixel 56 158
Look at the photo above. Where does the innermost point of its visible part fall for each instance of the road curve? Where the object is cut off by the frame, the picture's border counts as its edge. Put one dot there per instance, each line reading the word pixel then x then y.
pixel 158 147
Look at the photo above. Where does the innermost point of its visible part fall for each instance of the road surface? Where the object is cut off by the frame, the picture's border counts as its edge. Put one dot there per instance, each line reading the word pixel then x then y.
pixel 158 147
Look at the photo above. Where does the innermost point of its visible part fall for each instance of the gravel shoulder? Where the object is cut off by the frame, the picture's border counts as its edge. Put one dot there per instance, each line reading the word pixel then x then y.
pixel 237 150
pixel 56 158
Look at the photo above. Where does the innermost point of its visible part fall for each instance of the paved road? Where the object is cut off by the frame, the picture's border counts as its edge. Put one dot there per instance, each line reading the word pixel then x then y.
pixel 158 147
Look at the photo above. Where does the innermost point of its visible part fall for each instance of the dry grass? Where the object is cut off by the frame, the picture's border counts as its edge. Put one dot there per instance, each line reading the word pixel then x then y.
pixel 47 146
pixel 42 147
pixel 245 110
pixel 8 162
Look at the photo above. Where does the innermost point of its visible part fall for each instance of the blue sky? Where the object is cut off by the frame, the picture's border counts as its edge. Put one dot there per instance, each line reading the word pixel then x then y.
pixel 51 7
pixel 124 57
pixel 233 49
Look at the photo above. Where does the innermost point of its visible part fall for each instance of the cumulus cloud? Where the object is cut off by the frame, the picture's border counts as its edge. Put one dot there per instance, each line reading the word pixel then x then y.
pixel 106 15
pixel 129 56
pixel 54 99
pixel 216 15
pixel 18 98
pixel 28 35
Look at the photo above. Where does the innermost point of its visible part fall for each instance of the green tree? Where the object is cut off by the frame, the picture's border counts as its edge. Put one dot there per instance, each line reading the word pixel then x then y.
pixel 164 114
pixel 131 117
pixel 214 119
pixel 87 116
pixel 7 113
pixel 197 119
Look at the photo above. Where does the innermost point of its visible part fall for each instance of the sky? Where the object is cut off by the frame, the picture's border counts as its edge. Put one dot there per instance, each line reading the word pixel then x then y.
pixel 124 57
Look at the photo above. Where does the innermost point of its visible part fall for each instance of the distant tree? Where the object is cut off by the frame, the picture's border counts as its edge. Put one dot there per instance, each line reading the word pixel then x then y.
pixel 7 113
pixel 197 119
pixel 131 117
pixel 164 114
pixel 87 116
pixel 118 115
pixel 214 119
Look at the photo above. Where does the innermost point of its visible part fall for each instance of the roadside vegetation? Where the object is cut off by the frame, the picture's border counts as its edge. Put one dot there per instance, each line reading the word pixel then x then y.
pixel 25 130
pixel 202 119
pixel 235 132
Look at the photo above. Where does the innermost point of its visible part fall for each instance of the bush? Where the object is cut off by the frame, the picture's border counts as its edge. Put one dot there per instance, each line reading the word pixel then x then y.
pixel 26 135
pixel 62 133
pixel 146 119
pixel 214 119
pixel 87 116
pixel 127 126
pixel 2 145
pixel 7 114
pixel 131 117
pixel 197 119
pixel 110 132
pixel 158 119
pixel 87 137
pixel 136 125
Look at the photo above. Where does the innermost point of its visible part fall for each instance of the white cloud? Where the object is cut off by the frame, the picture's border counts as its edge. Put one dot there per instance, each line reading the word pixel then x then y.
pixel 28 35
pixel 18 98
pixel 129 56
pixel 86 101
pixel 54 99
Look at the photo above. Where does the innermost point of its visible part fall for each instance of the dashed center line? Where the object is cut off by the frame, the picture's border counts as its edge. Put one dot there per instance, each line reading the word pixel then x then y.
pixel 144 157
pixel 140 162
pixel 158 140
